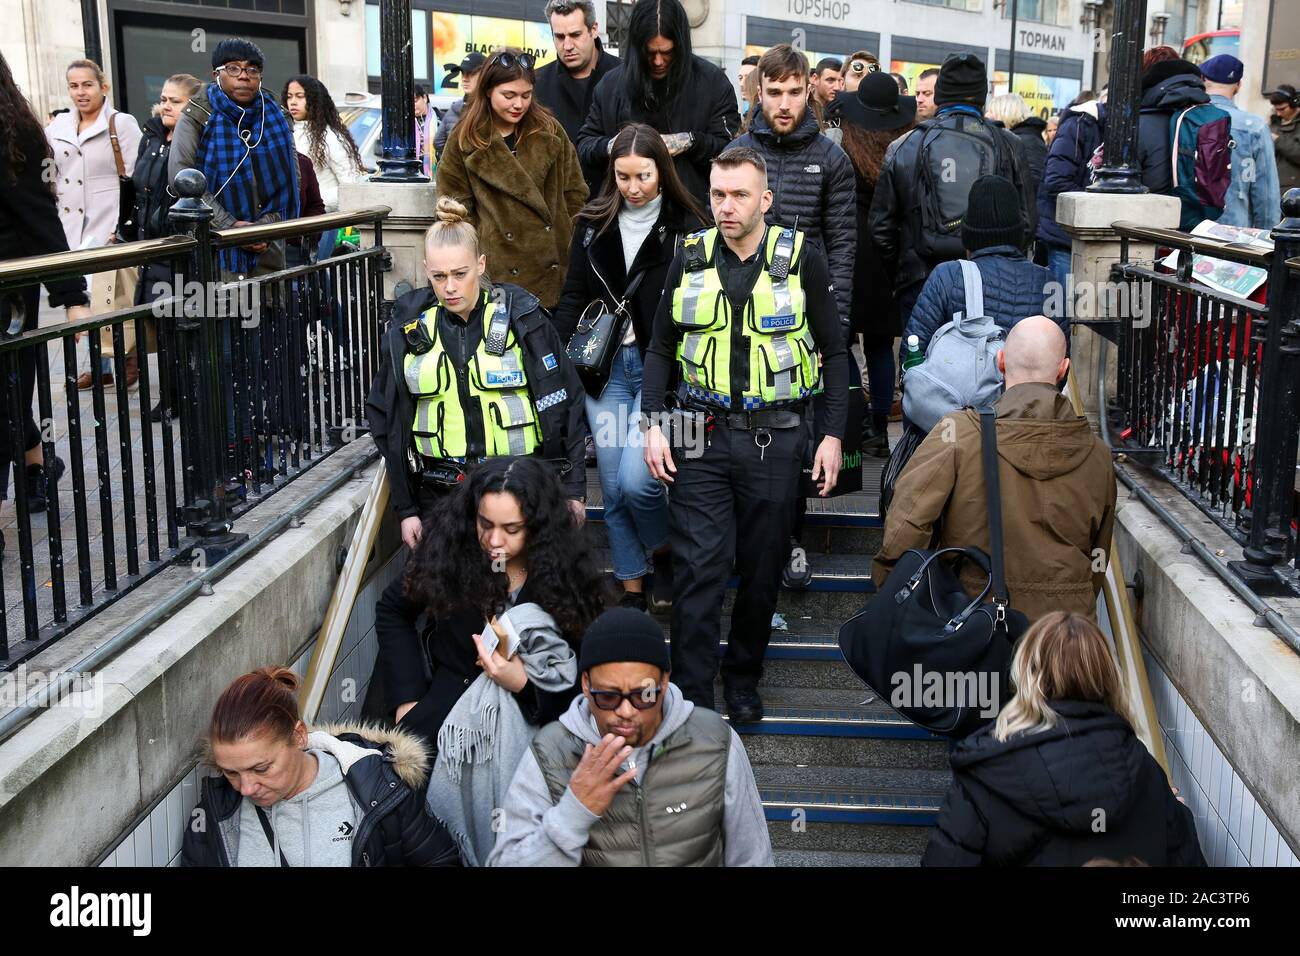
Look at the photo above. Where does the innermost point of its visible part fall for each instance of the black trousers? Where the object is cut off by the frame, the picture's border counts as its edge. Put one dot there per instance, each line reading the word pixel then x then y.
pixel 731 503
pixel 25 421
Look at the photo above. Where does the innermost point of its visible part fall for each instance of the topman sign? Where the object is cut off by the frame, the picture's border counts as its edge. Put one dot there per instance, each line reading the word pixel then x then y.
pixel 1038 40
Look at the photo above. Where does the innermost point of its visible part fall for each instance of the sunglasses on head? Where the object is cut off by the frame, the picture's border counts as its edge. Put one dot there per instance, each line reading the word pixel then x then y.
pixel 511 60
pixel 864 66
pixel 642 699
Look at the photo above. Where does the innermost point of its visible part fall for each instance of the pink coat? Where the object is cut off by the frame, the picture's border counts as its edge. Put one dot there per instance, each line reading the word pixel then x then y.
pixel 87 173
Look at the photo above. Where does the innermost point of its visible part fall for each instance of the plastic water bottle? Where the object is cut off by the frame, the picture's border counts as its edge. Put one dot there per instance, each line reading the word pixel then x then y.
pixel 913 355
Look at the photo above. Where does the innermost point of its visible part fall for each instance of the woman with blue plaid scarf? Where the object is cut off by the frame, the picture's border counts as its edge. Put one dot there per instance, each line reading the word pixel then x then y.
pixel 242 141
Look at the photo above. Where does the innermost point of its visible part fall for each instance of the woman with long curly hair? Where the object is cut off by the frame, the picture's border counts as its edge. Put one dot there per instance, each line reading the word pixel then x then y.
pixel 319 134
pixel 503 538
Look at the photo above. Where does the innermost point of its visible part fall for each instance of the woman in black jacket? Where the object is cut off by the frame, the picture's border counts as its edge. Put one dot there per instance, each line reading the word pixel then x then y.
pixel 147 217
pixel 29 226
pixel 290 795
pixel 623 242
pixel 661 83
pixel 505 536
pixel 871 119
pixel 1061 779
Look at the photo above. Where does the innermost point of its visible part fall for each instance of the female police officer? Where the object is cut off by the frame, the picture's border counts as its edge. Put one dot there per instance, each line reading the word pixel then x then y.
pixel 470 370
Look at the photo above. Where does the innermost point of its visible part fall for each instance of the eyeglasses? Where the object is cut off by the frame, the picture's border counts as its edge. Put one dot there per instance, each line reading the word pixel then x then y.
pixel 510 60
pixel 642 699
pixel 235 71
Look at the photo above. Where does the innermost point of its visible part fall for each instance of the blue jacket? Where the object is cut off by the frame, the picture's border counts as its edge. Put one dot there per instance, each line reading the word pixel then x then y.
pixel 1077 138
pixel 1254 198
pixel 1014 288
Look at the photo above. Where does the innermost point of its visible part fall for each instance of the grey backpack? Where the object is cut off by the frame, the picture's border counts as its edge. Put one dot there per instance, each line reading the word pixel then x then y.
pixel 961 361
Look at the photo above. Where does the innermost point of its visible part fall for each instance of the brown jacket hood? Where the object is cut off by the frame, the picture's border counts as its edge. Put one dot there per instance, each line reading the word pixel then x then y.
pixel 1039 435
pixel 1058 501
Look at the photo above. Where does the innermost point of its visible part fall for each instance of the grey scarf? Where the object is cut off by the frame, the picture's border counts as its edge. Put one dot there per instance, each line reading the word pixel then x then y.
pixel 485 736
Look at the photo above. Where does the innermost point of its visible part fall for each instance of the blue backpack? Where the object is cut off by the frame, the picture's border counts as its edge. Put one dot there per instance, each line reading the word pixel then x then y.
pixel 1201 161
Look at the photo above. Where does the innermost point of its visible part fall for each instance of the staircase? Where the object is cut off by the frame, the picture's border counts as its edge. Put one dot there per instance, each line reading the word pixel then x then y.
pixel 845 781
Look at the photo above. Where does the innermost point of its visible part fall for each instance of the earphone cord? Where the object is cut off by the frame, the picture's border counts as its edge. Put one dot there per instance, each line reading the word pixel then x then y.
pixel 248 149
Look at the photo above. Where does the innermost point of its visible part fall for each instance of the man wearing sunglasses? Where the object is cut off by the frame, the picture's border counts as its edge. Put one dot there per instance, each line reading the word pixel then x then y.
pixel 633 774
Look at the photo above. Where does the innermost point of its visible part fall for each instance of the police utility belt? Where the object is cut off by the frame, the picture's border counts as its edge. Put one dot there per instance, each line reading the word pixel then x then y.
pixel 449 472
pixel 755 418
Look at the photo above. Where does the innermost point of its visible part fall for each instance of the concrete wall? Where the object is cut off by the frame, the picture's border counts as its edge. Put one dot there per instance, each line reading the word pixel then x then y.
pixel 75 778
pixel 1228 691
pixel 156 839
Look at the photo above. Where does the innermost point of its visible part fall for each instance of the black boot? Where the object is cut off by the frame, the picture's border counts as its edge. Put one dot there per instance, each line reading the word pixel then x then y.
pixel 38 485
pixel 875 436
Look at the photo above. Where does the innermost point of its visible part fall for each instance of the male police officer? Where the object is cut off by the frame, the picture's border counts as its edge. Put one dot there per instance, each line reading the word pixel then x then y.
pixel 746 309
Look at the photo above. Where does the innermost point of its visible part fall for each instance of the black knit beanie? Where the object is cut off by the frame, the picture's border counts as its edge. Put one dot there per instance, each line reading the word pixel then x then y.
pixel 962 79
pixel 992 215
pixel 623 636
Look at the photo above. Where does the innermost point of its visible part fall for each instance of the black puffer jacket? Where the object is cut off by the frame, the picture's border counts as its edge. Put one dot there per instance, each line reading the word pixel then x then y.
pixel 812 182
pixel 148 218
pixel 597 271
pixel 896 208
pixel 1030 132
pixel 385 771
pixel 706 107
pixel 1085 789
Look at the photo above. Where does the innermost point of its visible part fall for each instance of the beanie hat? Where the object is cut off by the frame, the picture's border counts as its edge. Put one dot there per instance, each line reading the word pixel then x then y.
pixel 992 215
pixel 962 79
pixel 623 636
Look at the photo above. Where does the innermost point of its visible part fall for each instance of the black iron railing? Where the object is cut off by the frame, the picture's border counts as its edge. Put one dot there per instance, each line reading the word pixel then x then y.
pixel 261 378
pixel 1206 387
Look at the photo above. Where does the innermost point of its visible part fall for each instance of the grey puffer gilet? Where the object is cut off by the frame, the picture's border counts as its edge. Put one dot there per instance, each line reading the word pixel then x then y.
pixel 674 818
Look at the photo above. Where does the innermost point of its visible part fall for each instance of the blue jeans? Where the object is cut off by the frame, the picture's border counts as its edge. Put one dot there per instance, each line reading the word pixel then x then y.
pixel 636 506
pixel 1058 265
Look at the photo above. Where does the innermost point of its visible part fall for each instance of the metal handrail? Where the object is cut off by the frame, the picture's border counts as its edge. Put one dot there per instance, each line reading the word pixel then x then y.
pixel 1196 244
pixel 269 232
pixel 80 262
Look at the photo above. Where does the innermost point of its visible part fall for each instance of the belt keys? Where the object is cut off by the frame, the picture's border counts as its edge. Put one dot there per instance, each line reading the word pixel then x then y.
pixel 762 445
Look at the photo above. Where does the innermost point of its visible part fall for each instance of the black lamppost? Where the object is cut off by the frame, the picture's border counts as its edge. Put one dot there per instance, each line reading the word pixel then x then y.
pixel 1121 173
pixel 90 30
pixel 399 163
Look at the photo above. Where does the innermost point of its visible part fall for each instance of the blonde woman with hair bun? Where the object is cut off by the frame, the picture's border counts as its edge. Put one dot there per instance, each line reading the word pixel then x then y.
pixel 471 369
pixel 1060 778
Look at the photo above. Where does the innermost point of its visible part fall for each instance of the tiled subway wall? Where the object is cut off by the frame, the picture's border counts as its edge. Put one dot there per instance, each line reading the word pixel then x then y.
pixel 1233 829
pixel 157 839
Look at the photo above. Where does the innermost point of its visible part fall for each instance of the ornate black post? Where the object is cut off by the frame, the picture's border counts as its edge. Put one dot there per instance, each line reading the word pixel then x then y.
pixel 90 31
pixel 1273 471
pixel 399 163
pixel 1121 174
pixel 202 367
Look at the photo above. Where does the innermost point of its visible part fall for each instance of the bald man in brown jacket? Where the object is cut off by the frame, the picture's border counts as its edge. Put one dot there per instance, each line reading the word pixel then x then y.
pixel 1058 486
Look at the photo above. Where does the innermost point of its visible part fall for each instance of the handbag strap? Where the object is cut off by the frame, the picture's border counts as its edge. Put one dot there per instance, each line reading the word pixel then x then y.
pixel 629 292
pixel 117 147
pixel 993 489
pixel 974 288
pixel 270 836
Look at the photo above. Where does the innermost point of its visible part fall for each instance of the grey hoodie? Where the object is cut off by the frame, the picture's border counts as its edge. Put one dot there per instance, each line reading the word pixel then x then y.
pixel 541 833
pixel 315 828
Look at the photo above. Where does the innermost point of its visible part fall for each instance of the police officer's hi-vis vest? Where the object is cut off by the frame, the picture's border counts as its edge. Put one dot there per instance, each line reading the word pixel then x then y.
pixel 783 362
pixel 496 383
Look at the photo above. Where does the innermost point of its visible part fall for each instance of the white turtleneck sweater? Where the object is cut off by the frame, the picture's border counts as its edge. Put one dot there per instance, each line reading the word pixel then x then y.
pixel 634 225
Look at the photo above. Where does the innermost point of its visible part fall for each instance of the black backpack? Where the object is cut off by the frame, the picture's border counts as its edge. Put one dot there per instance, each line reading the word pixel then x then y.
pixel 956 149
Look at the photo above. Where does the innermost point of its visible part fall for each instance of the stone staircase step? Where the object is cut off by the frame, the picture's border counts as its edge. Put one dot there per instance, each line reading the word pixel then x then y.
pixel 833 712
pixel 851 794
pixel 813 837
pixel 837 573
